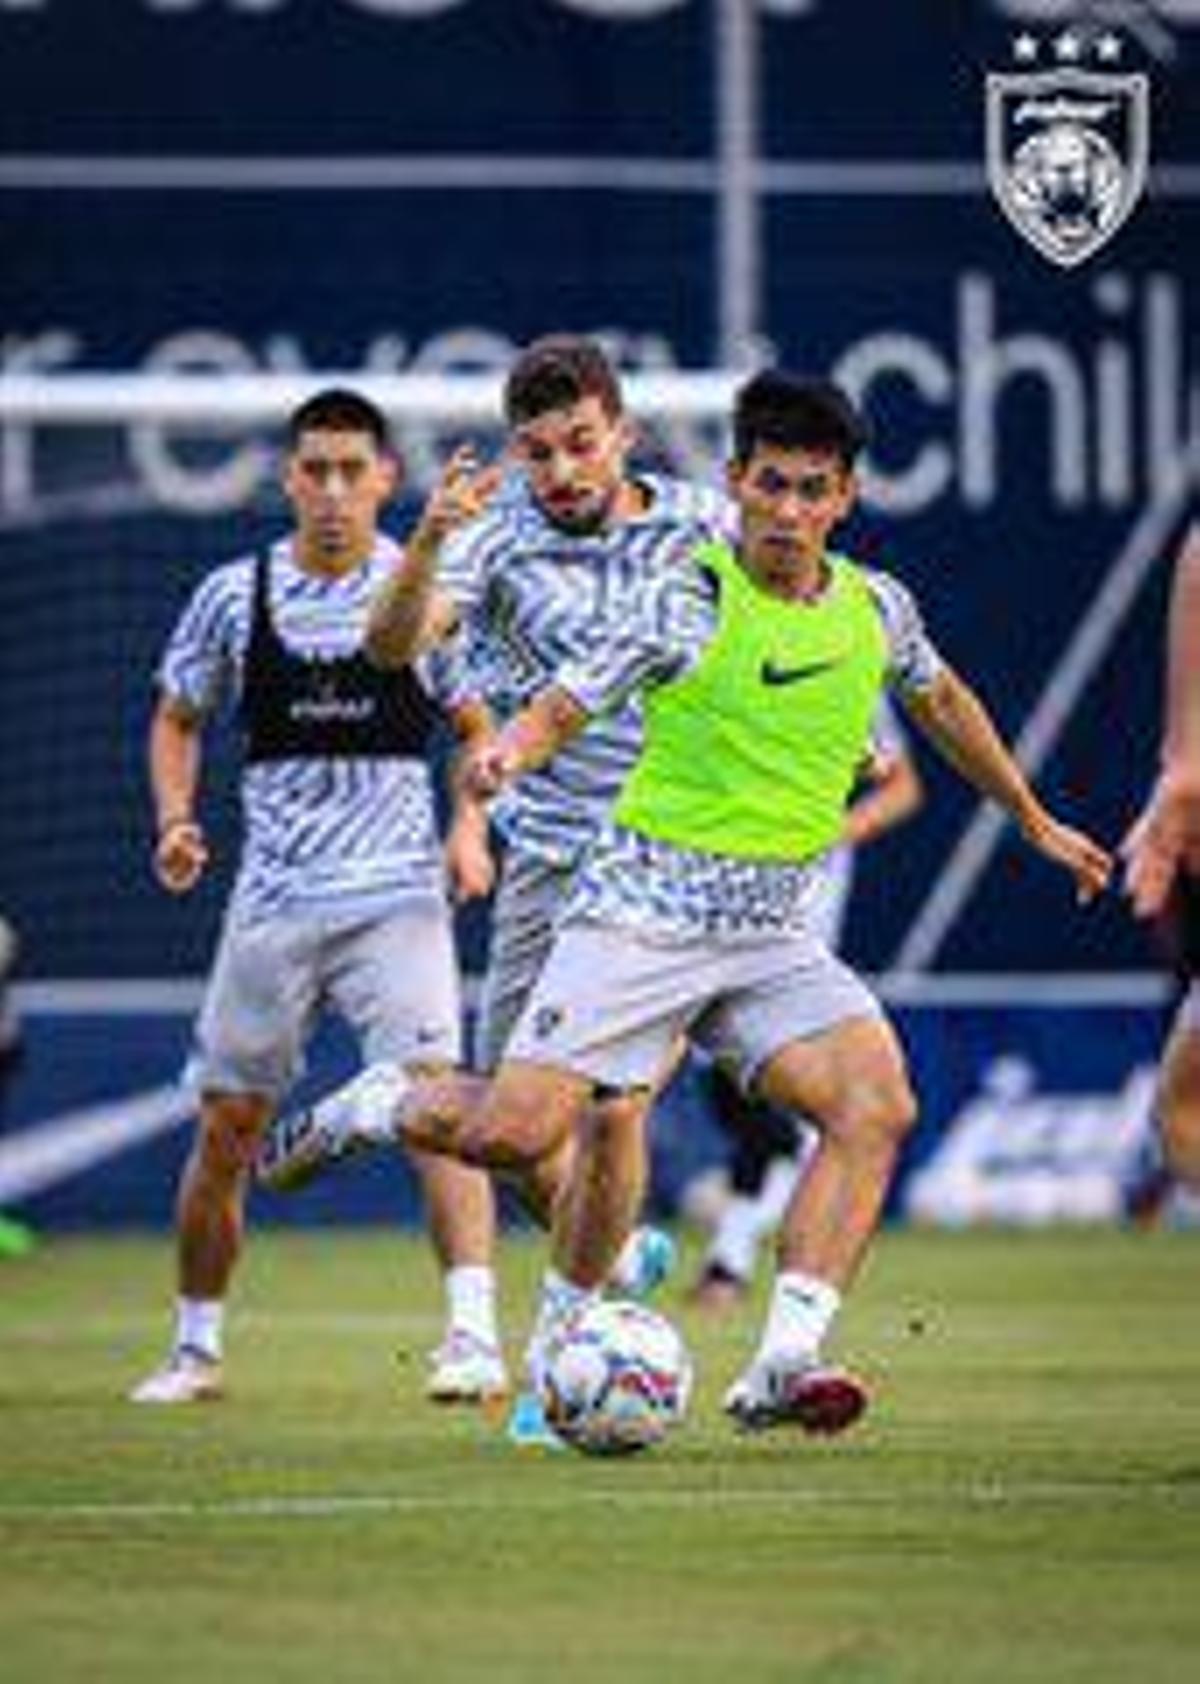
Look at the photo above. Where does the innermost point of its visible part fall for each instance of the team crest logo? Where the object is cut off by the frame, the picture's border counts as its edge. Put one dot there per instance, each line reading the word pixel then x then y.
pixel 1068 148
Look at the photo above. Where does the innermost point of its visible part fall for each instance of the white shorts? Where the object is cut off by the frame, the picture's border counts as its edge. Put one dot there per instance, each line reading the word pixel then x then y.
pixel 531 895
pixel 611 1002
pixel 394 979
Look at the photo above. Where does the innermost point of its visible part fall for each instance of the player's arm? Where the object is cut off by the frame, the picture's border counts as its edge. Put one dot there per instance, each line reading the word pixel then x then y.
pixel 894 793
pixel 955 720
pixel 468 848
pixel 529 740
pixel 410 613
pixel 1166 834
pixel 664 634
pixel 180 850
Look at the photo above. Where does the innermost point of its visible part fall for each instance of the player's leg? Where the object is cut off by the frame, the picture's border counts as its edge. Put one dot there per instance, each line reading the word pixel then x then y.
pixel 467 1366
pixel 606 1015
pixel 852 1080
pixel 764 1161
pixel 599 1207
pixel 770 1148
pixel 367 1111
pixel 248 1045
pixel 821 1046
pixel 395 980
pixel 519 1127
pixel 529 902
pixel 537 1097
pixel 209 1221
pixel 1179 1092
pixel 210 1204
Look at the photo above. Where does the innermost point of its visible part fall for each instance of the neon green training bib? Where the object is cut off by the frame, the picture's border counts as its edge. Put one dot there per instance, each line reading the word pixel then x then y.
pixel 755 751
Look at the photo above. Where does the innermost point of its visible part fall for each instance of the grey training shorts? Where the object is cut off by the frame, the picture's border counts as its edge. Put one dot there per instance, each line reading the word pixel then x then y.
pixel 531 895
pixel 393 978
pixel 611 1001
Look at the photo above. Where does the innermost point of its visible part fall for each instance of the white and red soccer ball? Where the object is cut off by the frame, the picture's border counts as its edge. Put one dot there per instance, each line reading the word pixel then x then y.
pixel 616 1378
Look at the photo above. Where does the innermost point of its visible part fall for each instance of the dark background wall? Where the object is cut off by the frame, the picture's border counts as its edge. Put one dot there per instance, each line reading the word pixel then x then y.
pixel 373 183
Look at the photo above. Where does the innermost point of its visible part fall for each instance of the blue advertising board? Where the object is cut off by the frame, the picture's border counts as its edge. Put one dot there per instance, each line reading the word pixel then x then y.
pixel 1029 1112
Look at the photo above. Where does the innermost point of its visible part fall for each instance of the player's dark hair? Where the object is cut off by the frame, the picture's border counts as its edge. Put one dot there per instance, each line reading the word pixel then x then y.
pixel 336 409
pixel 798 412
pixel 555 372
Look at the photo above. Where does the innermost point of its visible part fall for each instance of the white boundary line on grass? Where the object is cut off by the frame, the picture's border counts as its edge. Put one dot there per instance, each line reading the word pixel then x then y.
pixel 984 1494
pixel 283 1324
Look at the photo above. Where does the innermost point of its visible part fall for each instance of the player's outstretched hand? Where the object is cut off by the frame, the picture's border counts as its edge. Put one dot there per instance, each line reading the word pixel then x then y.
pixel 1089 864
pixel 1163 838
pixel 463 490
pixel 180 855
pixel 487 768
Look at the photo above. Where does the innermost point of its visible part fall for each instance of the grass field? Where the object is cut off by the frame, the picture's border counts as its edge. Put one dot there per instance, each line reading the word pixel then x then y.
pixel 1022 1504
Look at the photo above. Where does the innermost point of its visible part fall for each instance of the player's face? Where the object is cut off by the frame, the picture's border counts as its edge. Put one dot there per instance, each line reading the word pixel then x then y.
pixel 789 501
pixel 337 483
pixel 574 460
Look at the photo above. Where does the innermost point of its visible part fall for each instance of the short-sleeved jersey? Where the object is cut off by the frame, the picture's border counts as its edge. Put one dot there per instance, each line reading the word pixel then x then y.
pixel 533 598
pixel 338 836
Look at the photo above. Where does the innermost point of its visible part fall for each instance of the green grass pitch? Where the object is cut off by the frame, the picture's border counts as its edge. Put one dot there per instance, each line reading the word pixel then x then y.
pixel 1023 1502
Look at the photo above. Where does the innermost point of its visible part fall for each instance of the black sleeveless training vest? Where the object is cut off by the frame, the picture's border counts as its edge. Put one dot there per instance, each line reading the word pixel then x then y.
pixel 295 707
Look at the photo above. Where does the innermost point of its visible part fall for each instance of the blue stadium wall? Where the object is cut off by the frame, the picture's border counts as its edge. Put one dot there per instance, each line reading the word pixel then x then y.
pixel 424 184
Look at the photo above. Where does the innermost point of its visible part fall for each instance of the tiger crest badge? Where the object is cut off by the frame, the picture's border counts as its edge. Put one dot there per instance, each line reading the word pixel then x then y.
pixel 1068 148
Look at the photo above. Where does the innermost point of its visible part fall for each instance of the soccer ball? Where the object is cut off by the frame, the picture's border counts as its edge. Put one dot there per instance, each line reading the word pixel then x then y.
pixel 616 1378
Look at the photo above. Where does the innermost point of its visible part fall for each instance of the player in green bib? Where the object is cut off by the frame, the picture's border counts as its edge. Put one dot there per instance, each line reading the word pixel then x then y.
pixel 755 750
pixel 761 670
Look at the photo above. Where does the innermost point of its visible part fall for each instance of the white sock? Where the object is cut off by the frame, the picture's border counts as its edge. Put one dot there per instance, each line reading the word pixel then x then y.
pixel 471 1301
pixel 749 1217
pixel 782 1179
pixel 801 1314
pixel 200 1325
pixel 735 1244
pixel 377 1095
pixel 626 1271
pixel 559 1298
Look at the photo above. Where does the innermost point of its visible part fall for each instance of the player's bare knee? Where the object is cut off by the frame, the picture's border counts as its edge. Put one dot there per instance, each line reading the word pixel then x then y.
pixel 528 1113
pixel 231 1127
pixel 510 1136
pixel 613 1118
pixel 502 1144
pixel 874 1115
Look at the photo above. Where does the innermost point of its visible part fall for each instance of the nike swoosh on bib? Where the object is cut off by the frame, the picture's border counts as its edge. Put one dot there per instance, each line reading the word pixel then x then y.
pixel 771 674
